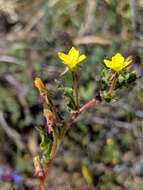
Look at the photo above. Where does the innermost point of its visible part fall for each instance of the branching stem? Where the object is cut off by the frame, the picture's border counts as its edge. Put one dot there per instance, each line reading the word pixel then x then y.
pixel 86 106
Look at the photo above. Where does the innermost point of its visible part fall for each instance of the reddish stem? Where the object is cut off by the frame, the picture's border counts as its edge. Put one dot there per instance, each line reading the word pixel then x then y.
pixel 41 186
pixel 86 106
pixel 71 120
pixel 43 179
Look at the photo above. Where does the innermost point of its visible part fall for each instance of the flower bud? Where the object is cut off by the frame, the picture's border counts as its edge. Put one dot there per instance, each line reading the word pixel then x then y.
pixel 39 84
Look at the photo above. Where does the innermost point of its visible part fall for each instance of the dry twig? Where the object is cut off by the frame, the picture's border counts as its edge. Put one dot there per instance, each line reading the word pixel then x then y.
pixel 89 17
pixel 11 133
pixel 92 40
pixel 10 59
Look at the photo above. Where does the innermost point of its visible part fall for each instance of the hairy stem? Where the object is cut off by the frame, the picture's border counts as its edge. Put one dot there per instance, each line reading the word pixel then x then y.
pixel 86 106
pixel 57 142
pixel 113 83
pixel 75 87
pixel 41 185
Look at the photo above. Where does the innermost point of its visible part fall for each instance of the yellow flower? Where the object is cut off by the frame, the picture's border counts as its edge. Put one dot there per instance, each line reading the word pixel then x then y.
pixel 109 141
pixel 72 59
pixel 117 62
pixel 39 84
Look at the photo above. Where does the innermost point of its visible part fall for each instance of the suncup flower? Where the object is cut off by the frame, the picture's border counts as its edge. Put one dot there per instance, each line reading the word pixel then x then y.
pixel 72 59
pixel 117 63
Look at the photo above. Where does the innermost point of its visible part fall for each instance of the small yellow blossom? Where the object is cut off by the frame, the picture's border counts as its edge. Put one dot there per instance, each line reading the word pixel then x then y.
pixel 72 59
pixel 109 141
pixel 117 63
pixel 39 84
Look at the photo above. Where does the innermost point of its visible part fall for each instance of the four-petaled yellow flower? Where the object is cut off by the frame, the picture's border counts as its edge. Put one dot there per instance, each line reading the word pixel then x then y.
pixel 72 59
pixel 117 63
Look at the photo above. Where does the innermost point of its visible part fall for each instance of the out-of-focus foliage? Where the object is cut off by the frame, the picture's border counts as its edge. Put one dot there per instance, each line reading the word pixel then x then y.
pixel 31 34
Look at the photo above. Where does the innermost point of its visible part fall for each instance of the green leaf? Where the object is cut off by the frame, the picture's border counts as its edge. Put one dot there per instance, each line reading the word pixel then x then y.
pixel 46 145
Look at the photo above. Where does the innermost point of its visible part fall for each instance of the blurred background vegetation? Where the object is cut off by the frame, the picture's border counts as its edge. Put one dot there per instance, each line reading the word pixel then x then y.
pixel 103 150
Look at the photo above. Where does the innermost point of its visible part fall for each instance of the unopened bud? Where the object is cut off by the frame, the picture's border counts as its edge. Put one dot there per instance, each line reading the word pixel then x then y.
pixel 39 84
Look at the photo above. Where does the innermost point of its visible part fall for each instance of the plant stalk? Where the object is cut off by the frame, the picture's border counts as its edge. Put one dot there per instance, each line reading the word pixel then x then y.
pixel 75 88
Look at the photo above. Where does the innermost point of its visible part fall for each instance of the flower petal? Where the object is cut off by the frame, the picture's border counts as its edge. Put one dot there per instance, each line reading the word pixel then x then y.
pixel 117 69
pixel 118 58
pixel 62 56
pixel 108 63
pixel 73 51
pixel 73 54
pixel 81 58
